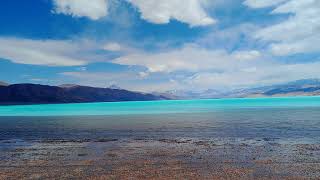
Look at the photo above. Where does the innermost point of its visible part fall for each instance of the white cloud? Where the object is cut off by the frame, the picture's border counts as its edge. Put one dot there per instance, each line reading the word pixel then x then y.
pixel 217 69
pixel 191 12
pixel 143 74
pixel 127 80
pixel 262 3
pixel 112 46
pixel 93 9
pixel 309 44
pixel 38 52
pixel 105 77
pixel 246 55
pixel 189 58
pixel 255 74
pixel 299 33
pixel 259 75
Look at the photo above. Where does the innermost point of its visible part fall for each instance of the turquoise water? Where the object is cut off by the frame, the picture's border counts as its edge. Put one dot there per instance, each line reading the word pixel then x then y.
pixel 236 129
pixel 282 119
pixel 157 107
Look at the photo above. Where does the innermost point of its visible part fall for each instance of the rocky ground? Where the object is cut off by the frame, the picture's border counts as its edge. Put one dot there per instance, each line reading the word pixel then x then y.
pixel 159 159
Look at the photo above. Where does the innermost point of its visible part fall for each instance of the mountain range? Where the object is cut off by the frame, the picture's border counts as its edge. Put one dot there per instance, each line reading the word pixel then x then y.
pixel 305 87
pixel 3 83
pixel 44 94
pixel 72 93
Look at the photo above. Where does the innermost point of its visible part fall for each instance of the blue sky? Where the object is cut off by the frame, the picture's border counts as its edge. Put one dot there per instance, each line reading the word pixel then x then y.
pixel 152 45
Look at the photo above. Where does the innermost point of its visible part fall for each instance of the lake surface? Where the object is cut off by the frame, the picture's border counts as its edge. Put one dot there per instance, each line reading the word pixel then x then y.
pixel 276 118
pixel 269 138
pixel 158 107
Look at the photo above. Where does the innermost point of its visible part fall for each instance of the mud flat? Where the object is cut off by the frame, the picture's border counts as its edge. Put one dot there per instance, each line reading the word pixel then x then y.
pixel 140 158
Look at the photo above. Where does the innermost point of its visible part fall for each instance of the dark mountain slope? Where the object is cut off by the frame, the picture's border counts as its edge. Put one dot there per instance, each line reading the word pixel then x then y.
pixel 3 83
pixel 42 94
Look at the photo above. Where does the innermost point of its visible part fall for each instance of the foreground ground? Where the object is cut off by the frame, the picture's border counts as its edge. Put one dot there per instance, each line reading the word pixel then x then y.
pixel 159 159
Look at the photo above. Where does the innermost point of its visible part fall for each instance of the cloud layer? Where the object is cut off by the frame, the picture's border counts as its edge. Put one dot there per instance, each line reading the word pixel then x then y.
pixel 189 58
pixel 262 3
pixel 191 12
pixel 300 33
pixel 93 9
pixel 161 12
pixel 38 52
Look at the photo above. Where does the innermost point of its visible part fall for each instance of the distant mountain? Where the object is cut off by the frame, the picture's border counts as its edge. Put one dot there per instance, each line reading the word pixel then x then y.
pixel 68 85
pixel 181 94
pixel 3 83
pixel 305 87
pixel 43 94
pixel 114 87
pixel 72 93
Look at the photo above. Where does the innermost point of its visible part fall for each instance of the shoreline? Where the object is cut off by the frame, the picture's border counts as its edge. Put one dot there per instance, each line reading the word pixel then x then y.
pixel 141 158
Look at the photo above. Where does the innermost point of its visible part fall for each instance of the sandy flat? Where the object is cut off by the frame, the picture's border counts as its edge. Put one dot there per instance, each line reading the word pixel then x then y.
pixel 158 159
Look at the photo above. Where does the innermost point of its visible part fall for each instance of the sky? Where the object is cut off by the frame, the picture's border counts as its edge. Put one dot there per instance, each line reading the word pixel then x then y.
pixel 159 45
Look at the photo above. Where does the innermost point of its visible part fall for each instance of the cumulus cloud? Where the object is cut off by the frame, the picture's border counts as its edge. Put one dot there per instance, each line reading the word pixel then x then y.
pixel 299 33
pixel 41 52
pixel 189 58
pixel 191 12
pixel 195 67
pixel 93 9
